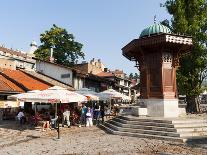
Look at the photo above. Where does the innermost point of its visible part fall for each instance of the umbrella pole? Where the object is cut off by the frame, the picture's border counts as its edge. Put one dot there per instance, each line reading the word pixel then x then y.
pixel 56 110
pixel 58 127
pixel 35 107
pixel 110 105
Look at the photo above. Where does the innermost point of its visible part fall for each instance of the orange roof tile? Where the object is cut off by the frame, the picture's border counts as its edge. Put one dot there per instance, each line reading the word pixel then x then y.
pixel 24 79
pixel 13 52
pixel 105 74
pixel 6 85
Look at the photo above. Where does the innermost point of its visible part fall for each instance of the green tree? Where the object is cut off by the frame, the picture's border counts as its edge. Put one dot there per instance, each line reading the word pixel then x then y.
pixel 66 49
pixel 131 75
pixel 189 17
pixel 136 76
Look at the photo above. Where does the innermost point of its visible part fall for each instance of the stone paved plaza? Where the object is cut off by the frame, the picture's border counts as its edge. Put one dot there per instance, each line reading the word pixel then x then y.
pixel 75 140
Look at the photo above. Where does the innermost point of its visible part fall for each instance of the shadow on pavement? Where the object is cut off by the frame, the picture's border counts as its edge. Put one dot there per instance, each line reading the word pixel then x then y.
pixel 14 125
pixel 197 142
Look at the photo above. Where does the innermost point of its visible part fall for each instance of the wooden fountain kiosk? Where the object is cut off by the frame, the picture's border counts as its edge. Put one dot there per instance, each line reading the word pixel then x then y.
pixel 156 53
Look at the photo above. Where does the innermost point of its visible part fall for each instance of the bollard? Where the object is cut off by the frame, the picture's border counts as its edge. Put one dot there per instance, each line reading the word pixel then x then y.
pixel 58 130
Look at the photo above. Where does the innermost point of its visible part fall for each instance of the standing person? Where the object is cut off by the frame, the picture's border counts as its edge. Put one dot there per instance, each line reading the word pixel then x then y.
pixel 97 110
pixel 21 117
pixel 1 114
pixel 102 113
pixel 89 115
pixel 66 117
pixel 83 115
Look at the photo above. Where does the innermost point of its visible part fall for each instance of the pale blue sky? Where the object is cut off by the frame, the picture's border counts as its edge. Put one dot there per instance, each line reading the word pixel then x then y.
pixel 103 27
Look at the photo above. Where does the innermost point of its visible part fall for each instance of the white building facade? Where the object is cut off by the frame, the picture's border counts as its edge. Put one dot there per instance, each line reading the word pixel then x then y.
pixel 63 74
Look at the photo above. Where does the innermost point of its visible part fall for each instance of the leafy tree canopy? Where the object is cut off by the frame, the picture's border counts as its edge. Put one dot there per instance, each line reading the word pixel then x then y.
pixel 134 76
pixel 66 49
pixel 131 75
pixel 189 17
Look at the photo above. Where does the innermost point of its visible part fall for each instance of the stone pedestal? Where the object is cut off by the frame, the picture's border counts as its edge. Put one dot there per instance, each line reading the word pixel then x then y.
pixel 138 111
pixel 162 107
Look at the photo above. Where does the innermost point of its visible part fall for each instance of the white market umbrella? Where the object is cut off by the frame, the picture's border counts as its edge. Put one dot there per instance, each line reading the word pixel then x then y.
pixel 92 95
pixel 53 95
pixel 24 96
pixel 110 94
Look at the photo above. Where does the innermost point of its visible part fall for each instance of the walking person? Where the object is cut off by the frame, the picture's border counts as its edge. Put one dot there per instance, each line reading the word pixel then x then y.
pixel 97 111
pixel 89 115
pixel 66 117
pixel 83 115
pixel 21 117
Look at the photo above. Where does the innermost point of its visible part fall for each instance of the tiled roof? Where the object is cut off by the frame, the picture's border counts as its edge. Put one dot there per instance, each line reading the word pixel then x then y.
pixel 8 86
pixel 25 80
pixel 105 74
pixel 10 51
pixel 50 80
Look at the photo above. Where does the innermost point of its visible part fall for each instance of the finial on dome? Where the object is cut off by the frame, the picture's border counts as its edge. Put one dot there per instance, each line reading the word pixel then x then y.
pixel 155 19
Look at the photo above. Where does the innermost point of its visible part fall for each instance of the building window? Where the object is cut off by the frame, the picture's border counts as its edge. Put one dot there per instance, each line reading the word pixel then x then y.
pixel 65 75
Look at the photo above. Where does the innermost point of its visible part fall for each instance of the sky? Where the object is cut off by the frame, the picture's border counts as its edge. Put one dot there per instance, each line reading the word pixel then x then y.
pixel 103 27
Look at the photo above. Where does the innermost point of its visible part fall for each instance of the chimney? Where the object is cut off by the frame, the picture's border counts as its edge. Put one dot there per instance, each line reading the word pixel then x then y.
pixel 105 69
pixel 51 55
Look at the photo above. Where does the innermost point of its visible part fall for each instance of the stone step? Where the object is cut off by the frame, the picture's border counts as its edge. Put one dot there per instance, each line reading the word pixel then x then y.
pixel 189 121
pixel 184 129
pixel 174 121
pixel 191 129
pixel 157 128
pixel 193 134
pixel 143 119
pixel 172 129
pixel 182 124
pixel 190 125
pixel 148 123
pixel 175 139
pixel 142 131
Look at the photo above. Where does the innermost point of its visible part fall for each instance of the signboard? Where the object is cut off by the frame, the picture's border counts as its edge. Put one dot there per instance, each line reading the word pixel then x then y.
pixel 9 104
pixel 1 104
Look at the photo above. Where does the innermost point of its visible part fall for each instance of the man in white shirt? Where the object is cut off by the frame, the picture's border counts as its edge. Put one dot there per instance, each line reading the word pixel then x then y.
pixel 66 117
pixel 21 117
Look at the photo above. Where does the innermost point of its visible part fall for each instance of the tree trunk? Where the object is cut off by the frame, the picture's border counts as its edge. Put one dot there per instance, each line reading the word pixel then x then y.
pixel 193 105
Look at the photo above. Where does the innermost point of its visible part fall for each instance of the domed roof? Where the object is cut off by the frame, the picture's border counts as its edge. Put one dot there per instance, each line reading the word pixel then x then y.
pixel 154 29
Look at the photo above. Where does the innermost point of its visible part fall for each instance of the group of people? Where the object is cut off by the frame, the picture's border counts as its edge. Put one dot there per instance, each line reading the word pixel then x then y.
pixel 44 116
pixel 85 116
pixel 88 114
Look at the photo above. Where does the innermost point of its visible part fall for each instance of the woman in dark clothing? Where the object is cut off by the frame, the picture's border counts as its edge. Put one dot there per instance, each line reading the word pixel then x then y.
pixel 102 113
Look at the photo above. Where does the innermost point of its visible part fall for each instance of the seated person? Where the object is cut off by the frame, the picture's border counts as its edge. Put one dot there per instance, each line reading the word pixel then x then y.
pixel 54 122
pixel 35 119
pixel 46 121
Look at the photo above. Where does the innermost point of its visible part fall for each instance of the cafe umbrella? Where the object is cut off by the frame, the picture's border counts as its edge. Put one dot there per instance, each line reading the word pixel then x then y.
pixel 91 95
pixel 54 94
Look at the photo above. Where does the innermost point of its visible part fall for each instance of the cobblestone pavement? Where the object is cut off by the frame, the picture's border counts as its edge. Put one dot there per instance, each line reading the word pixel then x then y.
pixel 74 140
